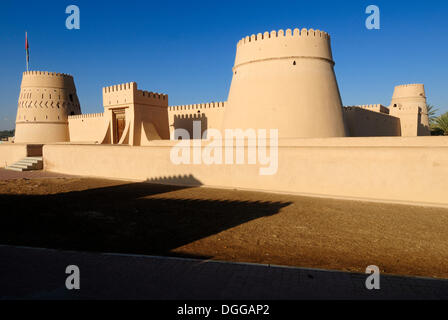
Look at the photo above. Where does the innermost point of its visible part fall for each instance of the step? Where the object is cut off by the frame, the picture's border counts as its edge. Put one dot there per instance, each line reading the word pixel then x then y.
pixel 31 166
pixel 27 164
pixel 19 165
pixel 28 161
pixel 15 168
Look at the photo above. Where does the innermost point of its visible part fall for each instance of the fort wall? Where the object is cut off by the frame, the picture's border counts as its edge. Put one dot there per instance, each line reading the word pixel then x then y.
pixel 370 121
pixel 410 117
pixel 87 127
pixel 11 153
pixel 209 114
pixel 405 170
pixel 372 107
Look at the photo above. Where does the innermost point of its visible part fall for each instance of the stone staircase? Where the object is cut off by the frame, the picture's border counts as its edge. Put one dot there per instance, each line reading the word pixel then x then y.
pixel 27 164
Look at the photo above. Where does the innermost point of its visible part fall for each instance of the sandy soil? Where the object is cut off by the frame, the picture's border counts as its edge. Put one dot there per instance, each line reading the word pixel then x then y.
pixel 116 216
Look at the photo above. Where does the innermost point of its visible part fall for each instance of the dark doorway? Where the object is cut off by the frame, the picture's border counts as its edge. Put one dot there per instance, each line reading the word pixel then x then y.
pixel 119 124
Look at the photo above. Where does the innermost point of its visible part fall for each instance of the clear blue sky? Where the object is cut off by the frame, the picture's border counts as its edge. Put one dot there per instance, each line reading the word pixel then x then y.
pixel 186 48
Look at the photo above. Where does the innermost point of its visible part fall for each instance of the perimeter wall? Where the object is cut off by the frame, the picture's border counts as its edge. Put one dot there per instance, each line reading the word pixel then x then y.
pixel 397 169
pixel 13 152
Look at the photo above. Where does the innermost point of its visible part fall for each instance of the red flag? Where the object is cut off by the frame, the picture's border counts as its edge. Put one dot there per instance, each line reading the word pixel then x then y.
pixel 27 48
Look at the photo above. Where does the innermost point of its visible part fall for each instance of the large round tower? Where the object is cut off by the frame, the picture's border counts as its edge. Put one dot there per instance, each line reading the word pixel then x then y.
pixel 285 81
pixel 46 100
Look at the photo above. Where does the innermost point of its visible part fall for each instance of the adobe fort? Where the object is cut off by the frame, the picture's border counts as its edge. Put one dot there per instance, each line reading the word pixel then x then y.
pixel 281 80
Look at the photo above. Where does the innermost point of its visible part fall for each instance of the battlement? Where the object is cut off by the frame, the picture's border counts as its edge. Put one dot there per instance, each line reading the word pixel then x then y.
pixel 150 94
pixel 192 116
pixel 47 73
pixel 86 115
pixel 372 107
pixel 413 90
pixel 410 85
pixel 120 87
pixel 197 106
pixel 289 44
pixel 133 87
pixel 45 79
pixel 128 93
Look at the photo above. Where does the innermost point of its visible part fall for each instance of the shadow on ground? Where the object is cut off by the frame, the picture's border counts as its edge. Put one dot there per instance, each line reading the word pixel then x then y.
pixel 123 218
pixel 182 180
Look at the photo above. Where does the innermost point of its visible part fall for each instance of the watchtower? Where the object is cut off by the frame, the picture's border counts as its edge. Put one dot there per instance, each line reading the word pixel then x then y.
pixel 409 104
pixel 46 100
pixel 285 81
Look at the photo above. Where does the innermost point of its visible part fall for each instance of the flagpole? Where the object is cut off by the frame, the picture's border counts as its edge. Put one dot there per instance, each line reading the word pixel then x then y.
pixel 26 49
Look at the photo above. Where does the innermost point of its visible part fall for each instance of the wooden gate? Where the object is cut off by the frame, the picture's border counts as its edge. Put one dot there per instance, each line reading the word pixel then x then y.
pixel 119 124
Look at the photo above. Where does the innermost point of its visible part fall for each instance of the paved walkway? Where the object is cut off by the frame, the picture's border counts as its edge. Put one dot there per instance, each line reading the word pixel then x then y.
pixel 29 273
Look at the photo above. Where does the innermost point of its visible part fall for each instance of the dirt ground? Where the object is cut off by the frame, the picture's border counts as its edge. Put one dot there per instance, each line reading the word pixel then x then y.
pixel 116 216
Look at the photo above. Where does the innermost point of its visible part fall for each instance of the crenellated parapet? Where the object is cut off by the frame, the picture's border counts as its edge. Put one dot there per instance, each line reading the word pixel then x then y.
pixel 288 33
pixel 86 116
pixel 209 114
pixel 47 79
pixel 150 98
pixel 372 107
pixel 197 107
pixel 409 85
pixel 291 44
pixel 128 93
pixel 410 91
pixel 47 73
pixel 151 95
pixel 120 87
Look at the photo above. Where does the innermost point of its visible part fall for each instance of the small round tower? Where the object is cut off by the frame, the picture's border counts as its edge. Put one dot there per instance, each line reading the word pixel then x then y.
pixel 46 100
pixel 285 81
pixel 408 101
